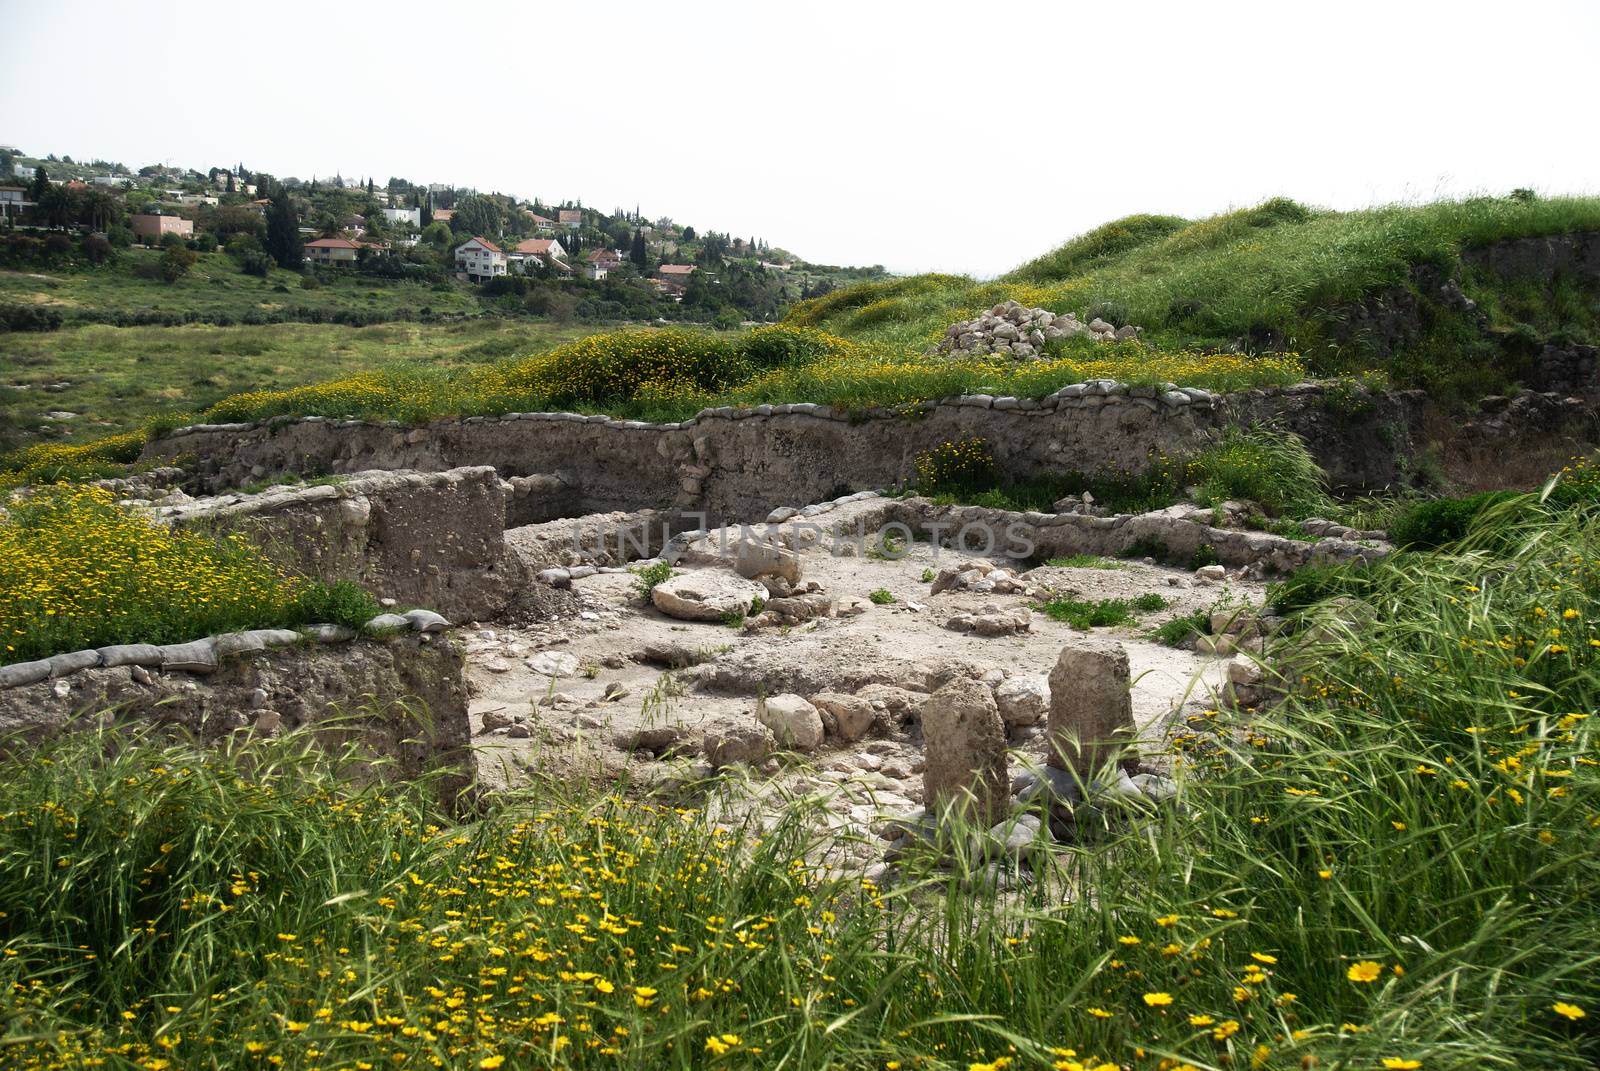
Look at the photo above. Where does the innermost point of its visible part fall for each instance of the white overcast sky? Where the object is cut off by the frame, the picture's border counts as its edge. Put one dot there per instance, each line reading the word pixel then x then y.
pixel 963 137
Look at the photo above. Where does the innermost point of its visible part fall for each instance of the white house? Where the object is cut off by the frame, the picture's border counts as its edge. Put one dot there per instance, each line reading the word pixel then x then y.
pixel 412 216
pixel 480 260
pixel 544 250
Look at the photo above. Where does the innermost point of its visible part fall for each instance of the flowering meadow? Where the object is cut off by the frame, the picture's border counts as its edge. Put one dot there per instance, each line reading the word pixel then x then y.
pixel 1394 869
pixel 79 571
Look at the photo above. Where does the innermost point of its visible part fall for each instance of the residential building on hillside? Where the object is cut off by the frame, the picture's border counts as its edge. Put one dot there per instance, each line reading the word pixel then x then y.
pixel 544 250
pixel 412 216
pixel 338 252
pixel 150 227
pixel 541 224
pixel 443 215
pixel 673 278
pixel 571 218
pixel 114 181
pixel 13 199
pixel 601 262
pixel 479 259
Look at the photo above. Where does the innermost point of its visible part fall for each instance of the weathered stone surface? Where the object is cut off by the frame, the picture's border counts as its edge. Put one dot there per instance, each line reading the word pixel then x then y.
pixel 726 740
pixel 1091 707
pixel 794 722
pixel 1022 700
pixel 851 715
pixel 402 700
pixel 706 595
pixel 965 752
pixel 433 539
pixel 753 558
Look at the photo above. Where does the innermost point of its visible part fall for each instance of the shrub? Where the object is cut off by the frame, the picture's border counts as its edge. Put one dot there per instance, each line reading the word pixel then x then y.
pixel 646 579
pixel 1441 521
pixel 342 602
pixel 1086 615
pixel 965 465
pixel 176 262
pixel 1149 602
pixel 1311 584
pixel 1260 464
pixel 881 596
pixel 1179 630
pixel 29 318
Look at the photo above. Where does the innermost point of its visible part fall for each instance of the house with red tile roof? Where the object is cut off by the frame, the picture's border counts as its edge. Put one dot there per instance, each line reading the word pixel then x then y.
pixel 338 252
pixel 571 218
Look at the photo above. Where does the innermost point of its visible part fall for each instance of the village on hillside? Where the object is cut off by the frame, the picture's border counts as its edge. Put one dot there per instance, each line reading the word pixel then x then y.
pixel 541 258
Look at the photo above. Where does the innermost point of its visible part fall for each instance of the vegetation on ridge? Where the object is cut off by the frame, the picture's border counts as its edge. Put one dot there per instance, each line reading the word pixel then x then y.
pixel 1278 276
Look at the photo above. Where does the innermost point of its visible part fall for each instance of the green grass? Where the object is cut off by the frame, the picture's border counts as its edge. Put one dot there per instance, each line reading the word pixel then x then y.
pixel 1084 615
pixel 121 378
pixel 647 577
pixel 1273 277
pixel 1174 632
pixel 1267 466
pixel 215 290
pixel 1085 561
pixel 1396 864
pixel 881 596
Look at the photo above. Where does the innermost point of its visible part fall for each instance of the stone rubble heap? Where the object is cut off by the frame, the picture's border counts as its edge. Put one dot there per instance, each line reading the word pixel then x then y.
pixel 1017 331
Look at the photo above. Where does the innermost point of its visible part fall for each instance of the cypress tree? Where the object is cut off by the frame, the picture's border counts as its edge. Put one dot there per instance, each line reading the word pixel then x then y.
pixel 283 233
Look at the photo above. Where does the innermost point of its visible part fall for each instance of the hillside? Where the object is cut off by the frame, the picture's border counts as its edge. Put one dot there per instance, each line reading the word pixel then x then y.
pixel 1381 288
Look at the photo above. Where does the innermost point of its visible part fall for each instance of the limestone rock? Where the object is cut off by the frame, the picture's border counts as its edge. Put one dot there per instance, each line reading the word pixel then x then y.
pixel 794 722
pixel 1091 707
pixel 851 715
pixel 706 595
pixel 726 740
pixel 965 752
pixel 753 558
pixel 1023 700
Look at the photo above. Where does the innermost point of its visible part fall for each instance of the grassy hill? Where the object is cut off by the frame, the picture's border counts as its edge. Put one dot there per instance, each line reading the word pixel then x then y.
pixel 1280 277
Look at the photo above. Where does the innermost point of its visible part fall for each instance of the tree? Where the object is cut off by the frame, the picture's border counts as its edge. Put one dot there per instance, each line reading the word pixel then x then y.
pixel 55 205
pixel 99 210
pixel 283 233
pixel 8 165
pixel 230 188
pixel 176 262
pixel 688 234
pixel 41 182
pixel 478 215
pixel 637 253
pixel 437 235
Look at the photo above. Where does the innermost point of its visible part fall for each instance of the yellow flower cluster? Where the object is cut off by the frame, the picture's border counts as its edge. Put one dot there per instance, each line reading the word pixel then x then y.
pixel 77 571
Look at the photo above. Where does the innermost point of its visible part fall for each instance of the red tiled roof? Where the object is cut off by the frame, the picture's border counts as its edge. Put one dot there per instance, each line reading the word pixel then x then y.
pixel 571 215
pixel 536 246
pixel 332 243
pixel 485 243
pixel 604 254
pixel 676 269
pixel 443 215
pixel 536 217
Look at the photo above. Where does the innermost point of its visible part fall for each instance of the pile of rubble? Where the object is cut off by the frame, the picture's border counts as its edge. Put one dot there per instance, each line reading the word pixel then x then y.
pixel 1017 331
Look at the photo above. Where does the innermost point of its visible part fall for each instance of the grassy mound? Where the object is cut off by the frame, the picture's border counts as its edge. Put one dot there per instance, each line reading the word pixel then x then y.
pixel 1279 276
pixel 1394 869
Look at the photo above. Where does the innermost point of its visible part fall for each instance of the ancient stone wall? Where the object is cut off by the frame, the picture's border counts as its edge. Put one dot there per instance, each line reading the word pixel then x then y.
pixel 736 464
pixel 403 699
pixel 432 539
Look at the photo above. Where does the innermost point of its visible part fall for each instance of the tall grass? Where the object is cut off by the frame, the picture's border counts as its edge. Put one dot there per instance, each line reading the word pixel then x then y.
pixel 1397 864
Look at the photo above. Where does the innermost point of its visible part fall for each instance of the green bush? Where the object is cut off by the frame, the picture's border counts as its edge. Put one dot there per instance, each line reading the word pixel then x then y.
pixel 881 596
pixel 1307 586
pixel 1176 632
pixel 646 579
pixel 1441 521
pixel 1264 465
pixel 342 602
pixel 965 465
